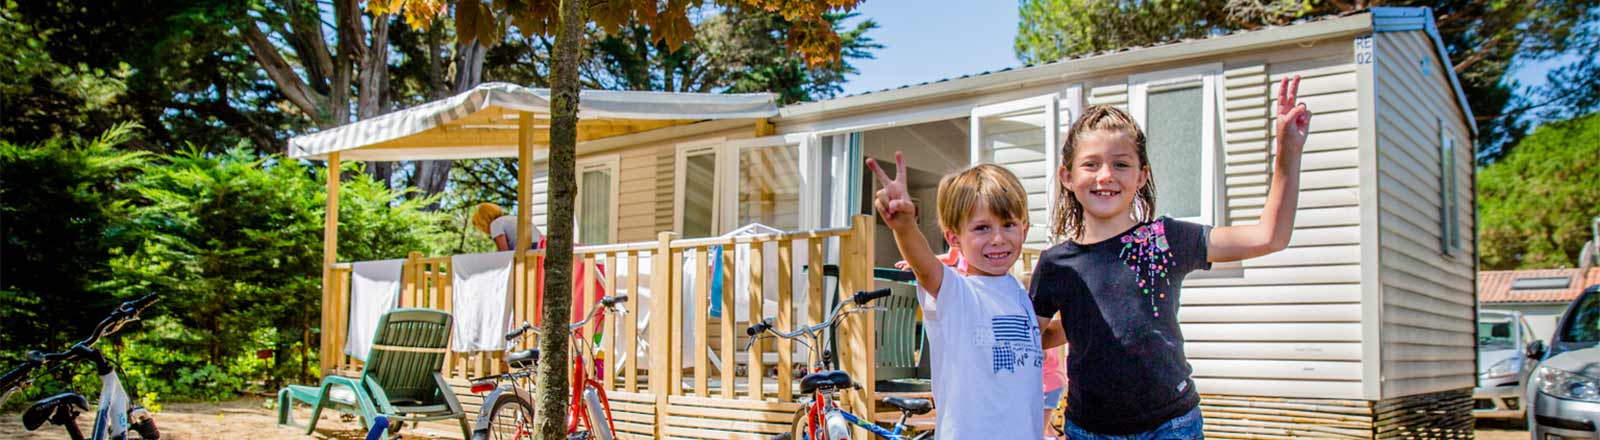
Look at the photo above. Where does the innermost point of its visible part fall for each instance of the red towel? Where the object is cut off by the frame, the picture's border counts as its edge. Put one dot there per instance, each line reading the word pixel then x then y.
pixel 578 278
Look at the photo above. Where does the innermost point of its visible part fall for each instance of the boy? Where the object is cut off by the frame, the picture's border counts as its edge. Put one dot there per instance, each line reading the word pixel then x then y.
pixel 987 360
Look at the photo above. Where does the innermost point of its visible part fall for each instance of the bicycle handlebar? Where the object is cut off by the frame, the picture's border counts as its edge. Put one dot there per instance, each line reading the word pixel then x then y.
pixel 861 298
pixel 614 303
pixel 127 312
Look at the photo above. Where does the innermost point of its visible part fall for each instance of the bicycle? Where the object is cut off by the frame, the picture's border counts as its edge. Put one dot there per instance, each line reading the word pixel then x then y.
pixel 112 419
pixel 819 417
pixel 508 409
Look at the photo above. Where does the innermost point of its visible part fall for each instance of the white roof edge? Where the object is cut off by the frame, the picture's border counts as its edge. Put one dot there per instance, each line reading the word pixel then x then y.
pixel 1282 35
pixel 1405 19
pixel 594 104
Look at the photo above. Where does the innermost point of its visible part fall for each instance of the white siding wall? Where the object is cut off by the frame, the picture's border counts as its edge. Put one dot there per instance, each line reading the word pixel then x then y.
pixel 645 185
pixel 1428 297
pixel 1286 324
pixel 541 198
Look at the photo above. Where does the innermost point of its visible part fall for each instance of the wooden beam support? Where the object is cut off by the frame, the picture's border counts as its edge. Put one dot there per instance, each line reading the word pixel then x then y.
pixel 519 279
pixel 765 128
pixel 330 240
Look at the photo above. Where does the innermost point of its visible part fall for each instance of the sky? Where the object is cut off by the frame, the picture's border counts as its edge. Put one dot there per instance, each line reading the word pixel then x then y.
pixel 929 40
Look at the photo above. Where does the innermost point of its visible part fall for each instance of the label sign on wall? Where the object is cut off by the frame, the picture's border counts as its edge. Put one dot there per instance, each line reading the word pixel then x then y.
pixel 1364 49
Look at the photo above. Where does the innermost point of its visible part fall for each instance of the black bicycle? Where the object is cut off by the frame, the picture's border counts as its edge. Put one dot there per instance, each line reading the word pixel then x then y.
pixel 114 417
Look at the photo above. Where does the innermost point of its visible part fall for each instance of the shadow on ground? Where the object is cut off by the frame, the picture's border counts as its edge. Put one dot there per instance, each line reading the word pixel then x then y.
pixel 249 419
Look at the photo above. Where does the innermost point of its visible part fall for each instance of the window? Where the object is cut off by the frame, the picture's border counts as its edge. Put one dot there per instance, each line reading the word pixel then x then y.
pixel 1449 215
pixel 597 201
pixel 1180 138
pixel 769 187
pixel 696 197
pixel 1023 136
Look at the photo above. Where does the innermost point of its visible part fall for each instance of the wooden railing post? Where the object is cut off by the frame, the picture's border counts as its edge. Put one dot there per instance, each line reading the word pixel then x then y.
pixel 858 339
pixel 411 279
pixel 663 306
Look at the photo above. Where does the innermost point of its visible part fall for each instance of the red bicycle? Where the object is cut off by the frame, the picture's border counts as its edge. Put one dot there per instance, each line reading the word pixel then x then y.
pixel 507 411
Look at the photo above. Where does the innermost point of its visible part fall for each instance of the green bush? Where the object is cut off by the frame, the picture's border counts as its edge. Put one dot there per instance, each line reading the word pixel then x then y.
pixel 232 242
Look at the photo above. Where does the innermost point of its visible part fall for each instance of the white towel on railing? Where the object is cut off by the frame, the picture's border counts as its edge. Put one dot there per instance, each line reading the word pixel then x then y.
pixel 482 291
pixel 374 289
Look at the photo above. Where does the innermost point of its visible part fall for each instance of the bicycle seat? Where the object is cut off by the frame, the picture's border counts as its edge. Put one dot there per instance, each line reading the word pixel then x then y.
pixel 523 359
pixel 832 379
pixel 916 407
pixel 59 409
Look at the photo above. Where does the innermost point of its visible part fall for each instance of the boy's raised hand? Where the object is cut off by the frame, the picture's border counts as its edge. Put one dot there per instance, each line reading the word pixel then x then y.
pixel 1294 119
pixel 900 213
pixel 894 200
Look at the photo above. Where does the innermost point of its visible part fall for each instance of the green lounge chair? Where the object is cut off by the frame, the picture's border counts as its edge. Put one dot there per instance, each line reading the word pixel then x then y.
pixel 401 379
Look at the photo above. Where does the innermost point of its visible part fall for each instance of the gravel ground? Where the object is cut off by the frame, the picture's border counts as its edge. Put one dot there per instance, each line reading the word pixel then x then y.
pixel 250 419
pixel 1501 430
pixel 253 419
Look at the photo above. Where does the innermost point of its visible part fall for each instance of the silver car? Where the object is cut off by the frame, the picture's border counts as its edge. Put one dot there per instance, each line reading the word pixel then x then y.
pixel 1503 364
pixel 1564 391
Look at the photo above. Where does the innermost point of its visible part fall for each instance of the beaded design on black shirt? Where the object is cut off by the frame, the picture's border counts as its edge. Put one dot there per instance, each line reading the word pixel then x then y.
pixel 1146 251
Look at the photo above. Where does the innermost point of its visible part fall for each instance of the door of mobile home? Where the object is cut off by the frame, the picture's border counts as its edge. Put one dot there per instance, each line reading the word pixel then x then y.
pixel 1024 136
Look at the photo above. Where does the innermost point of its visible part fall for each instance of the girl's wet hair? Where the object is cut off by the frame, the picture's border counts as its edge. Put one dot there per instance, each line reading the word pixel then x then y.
pixel 1066 212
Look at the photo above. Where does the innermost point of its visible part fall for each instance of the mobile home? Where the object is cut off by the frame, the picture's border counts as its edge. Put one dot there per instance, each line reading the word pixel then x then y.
pixel 1370 310
pixel 1363 327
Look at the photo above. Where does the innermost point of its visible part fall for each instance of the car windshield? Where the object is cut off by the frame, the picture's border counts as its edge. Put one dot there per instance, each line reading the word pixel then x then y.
pixel 1494 332
pixel 1584 323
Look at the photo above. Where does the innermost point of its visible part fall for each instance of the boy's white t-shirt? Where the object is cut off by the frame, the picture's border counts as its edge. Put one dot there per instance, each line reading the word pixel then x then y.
pixel 987 361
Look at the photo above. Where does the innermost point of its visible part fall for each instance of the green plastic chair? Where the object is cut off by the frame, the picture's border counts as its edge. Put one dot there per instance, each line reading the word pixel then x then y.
pixel 900 340
pixel 400 381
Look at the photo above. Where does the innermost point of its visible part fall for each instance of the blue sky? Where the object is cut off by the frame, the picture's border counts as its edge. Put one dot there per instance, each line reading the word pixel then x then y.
pixel 934 39
pixel 929 40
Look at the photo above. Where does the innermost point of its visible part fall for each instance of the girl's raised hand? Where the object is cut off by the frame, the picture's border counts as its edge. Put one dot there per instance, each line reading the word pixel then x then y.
pixel 1294 119
pixel 894 200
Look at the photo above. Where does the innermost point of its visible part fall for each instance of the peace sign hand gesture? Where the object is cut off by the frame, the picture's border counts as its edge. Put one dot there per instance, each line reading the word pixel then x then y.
pixel 1294 118
pixel 894 200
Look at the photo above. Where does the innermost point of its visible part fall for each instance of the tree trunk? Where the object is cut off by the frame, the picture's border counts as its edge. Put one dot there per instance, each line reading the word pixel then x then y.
pixel 343 62
pixel 373 85
pixel 553 383
pixel 432 175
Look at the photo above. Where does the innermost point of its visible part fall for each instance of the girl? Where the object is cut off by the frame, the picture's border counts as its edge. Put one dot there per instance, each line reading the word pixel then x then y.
pixel 490 219
pixel 1116 278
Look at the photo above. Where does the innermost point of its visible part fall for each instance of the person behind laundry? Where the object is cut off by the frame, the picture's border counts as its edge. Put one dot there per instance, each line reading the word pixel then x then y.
pixel 984 342
pixel 1116 278
pixel 491 219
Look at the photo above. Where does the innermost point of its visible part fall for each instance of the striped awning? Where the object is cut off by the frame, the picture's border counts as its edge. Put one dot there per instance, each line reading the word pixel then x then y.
pixel 482 122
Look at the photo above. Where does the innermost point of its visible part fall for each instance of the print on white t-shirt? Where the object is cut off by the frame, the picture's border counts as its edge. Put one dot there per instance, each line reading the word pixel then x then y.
pixel 987 361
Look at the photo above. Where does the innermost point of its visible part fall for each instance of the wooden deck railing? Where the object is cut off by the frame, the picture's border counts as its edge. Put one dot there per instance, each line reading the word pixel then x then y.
pixel 707 389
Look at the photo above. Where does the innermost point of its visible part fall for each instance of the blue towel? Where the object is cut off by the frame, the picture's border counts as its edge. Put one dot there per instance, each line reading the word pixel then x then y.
pixel 716 283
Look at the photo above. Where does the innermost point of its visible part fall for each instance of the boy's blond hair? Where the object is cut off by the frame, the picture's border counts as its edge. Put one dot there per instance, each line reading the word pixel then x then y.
pixel 981 186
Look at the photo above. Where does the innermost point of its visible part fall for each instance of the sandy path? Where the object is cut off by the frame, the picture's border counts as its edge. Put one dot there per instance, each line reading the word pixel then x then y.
pixel 251 419
pixel 238 419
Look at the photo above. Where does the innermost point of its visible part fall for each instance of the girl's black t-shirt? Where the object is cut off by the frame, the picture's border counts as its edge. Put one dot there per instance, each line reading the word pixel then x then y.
pixel 1118 299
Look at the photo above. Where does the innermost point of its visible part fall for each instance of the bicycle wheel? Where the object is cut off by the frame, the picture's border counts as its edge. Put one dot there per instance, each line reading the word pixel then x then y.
pixel 797 427
pixel 510 418
pixel 600 425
